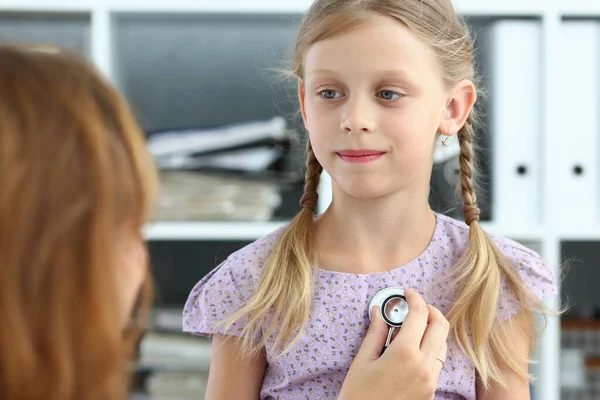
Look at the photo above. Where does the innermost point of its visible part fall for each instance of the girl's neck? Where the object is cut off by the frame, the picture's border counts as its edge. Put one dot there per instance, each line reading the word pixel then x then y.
pixel 373 235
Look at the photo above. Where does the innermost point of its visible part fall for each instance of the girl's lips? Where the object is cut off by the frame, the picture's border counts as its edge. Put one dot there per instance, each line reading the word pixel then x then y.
pixel 360 156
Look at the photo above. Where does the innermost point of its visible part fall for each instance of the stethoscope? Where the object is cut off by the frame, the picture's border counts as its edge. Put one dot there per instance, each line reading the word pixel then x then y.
pixel 393 308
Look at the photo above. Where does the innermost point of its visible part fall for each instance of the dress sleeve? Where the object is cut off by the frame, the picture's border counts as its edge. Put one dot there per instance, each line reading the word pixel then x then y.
pixel 536 274
pixel 215 297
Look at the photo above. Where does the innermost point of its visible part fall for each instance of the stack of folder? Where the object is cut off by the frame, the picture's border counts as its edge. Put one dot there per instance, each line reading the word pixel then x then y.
pixel 230 172
pixel 178 365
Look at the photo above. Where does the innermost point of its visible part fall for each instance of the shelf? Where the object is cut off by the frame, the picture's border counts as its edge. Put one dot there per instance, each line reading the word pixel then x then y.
pixel 580 234
pixel 210 6
pixel 506 8
pixel 580 8
pixel 210 230
pixel 469 7
pixel 47 5
pixel 176 6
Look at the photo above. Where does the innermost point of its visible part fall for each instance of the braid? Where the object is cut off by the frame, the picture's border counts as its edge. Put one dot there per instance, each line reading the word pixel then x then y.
pixel 313 175
pixel 280 307
pixel 478 276
pixel 471 211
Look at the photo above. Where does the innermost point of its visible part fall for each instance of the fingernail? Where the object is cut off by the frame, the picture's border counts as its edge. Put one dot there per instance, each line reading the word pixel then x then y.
pixel 374 311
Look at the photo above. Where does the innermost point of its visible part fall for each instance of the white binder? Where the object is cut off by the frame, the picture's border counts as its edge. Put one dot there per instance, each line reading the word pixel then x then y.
pixel 513 51
pixel 577 173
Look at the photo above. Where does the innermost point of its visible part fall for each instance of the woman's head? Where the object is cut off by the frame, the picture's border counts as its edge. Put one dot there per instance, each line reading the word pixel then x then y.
pixel 77 185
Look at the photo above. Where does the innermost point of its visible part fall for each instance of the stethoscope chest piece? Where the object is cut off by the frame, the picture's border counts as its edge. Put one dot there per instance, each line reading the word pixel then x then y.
pixel 393 308
pixel 392 305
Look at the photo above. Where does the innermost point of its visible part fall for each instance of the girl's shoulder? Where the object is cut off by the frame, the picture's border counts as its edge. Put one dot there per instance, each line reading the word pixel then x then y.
pixel 538 275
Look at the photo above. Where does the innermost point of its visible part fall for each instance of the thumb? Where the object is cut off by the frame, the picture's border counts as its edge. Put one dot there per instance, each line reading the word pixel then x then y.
pixel 373 343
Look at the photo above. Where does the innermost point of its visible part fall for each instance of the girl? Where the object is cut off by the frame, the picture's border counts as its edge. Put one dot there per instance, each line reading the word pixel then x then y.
pixel 77 183
pixel 379 81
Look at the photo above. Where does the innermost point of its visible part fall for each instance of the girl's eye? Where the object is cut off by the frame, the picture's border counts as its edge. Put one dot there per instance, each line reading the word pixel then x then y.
pixel 330 94
pixel 389 95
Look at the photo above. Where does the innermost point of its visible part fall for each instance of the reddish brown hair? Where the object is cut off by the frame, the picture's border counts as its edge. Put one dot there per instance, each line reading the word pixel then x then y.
pixel 74 171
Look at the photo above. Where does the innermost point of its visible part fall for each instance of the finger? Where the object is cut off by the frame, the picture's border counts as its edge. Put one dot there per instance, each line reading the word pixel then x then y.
pixel 435 335
pixel 374 341
pixel 415 322
pixel 438 366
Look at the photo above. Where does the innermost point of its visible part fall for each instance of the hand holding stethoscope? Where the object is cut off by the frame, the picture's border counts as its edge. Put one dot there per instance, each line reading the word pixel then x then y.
pixel 407 367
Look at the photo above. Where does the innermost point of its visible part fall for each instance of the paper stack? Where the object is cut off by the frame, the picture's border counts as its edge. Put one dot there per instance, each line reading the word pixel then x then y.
pixel 193 196
pixel 179 365
pixel 220 173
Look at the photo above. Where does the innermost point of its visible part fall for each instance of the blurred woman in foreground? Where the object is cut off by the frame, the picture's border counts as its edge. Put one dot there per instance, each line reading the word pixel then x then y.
pixel 76 187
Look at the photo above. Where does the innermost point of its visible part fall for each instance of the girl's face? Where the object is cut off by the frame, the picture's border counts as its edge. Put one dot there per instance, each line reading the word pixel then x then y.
pixel 373 100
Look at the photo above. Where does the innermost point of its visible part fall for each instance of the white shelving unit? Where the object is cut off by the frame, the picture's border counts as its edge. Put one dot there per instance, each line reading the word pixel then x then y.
pixel 549 232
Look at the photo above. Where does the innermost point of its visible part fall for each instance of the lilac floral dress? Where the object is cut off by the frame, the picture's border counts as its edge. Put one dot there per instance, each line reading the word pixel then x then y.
pixel 316 367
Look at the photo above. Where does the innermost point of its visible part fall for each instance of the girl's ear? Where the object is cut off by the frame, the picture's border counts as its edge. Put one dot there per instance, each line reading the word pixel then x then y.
pixel 459 106
pixel 301 98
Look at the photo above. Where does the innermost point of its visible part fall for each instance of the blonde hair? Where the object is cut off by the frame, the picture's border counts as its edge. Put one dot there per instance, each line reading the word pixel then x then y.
pixel 74 172
pixel 285 287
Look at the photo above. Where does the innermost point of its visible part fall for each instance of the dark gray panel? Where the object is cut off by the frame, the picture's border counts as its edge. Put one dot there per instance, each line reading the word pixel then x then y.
pixel 579 288
pixel 178 265
pixel 198 70
pixel 70 31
